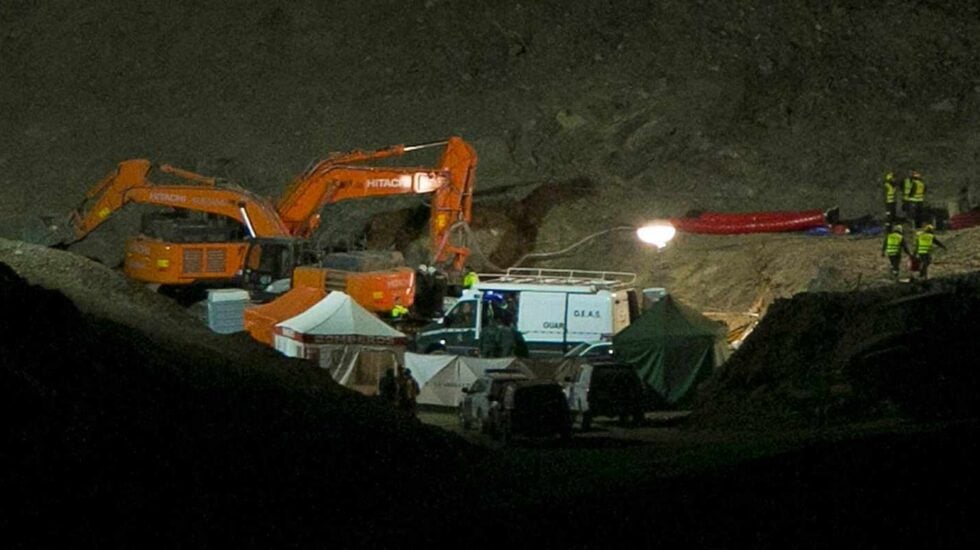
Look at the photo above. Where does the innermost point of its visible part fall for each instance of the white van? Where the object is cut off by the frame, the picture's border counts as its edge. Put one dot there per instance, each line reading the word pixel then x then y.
pixel 553 310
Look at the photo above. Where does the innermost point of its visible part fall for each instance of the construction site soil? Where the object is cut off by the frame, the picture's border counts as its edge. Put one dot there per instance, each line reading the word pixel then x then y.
pixel 847 416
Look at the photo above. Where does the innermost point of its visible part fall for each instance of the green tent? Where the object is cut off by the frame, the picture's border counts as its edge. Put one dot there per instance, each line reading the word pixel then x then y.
pixel 673 347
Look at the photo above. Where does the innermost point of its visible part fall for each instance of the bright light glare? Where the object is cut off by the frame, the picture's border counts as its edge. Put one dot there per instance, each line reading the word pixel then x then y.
pixel 657 233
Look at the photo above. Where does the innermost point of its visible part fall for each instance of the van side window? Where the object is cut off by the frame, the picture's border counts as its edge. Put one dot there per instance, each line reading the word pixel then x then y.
pixel 462 316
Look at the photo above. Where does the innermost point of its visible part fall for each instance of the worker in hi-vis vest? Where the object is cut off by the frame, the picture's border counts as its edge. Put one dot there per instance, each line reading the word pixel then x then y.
pixel 893 246
pixel 914 194
pixel 890 196
pixel 924 240
pixel 470 279
pixel 398 311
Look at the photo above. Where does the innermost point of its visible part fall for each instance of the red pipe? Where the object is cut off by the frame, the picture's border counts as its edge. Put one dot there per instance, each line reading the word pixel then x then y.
pixel 738 224
pixel 753 217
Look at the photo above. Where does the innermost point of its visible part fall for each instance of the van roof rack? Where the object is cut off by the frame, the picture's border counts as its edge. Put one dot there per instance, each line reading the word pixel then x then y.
pixel 533 275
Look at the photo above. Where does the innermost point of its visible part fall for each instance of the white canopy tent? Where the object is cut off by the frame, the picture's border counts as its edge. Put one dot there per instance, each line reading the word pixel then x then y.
pixel 442 378
pixel 344 338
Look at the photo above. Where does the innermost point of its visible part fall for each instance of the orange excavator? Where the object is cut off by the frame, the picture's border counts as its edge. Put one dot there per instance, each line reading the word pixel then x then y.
pixel 341 177
pixel 223 235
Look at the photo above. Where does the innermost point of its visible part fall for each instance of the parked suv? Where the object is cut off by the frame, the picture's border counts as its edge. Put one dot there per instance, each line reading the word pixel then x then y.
pixel 531 408
pixel 485 394
pixel 600 349
pixel 603 388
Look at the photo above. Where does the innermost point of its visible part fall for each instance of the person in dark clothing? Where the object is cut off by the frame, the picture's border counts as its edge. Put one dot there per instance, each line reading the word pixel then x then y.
pixel 520 345
pixel 511 340
pixel 408 391
pixel 914 194
pixel 490 340
pixel 388 387
pixel 430 288
pixel 506 338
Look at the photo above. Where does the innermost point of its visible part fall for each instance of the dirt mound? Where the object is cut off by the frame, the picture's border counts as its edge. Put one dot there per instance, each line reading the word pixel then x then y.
pixel 112 437
pixel 117 436
pixel 836 357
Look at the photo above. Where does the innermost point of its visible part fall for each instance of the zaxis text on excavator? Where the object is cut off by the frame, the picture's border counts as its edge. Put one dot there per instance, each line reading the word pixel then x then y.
pixel 219 234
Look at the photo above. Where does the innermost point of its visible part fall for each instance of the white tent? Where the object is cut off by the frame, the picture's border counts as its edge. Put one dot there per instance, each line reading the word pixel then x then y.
pixel 442 378
pixel 344 338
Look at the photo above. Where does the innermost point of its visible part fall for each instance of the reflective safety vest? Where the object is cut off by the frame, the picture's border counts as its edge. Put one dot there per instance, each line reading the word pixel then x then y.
pixel 893 244
pixel 470 279
pixel 398 311
pixel 889 192
pixel 917 190
pixel 923 243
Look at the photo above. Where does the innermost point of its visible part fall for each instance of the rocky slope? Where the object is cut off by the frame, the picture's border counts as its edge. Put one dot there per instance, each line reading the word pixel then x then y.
pixel 586 116
pixel 618 111
pixel 126 420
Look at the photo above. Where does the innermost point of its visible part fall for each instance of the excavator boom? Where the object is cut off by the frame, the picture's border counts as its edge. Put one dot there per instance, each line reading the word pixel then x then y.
pixel 342 176
pixel 328 184
pixel 129 184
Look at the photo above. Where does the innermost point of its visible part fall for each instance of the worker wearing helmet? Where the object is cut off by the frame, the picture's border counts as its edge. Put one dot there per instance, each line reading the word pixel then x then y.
pixel 893 246
pixel 890 196
pixel 924 240
pixel 914 194
pixel 906 191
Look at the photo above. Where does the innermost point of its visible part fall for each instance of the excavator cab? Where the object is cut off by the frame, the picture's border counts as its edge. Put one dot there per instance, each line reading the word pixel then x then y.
pixel 270 260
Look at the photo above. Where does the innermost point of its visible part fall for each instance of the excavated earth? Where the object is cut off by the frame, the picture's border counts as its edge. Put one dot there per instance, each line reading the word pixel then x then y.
pixel 127 419
pixel 846 418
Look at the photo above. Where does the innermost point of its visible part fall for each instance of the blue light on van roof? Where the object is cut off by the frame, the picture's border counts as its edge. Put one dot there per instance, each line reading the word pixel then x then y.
pixel 491 296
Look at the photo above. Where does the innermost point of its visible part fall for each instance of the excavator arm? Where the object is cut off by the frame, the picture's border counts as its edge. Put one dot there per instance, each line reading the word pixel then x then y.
pixel 341 176
pixel 452 207
pixel 129 183
pixel 332 184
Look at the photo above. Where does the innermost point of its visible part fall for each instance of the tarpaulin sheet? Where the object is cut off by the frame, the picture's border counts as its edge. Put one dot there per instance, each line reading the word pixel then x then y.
pixel 672 347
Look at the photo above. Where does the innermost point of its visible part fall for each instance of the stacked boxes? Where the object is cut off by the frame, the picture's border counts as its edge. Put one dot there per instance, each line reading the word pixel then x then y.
pixel 226 310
